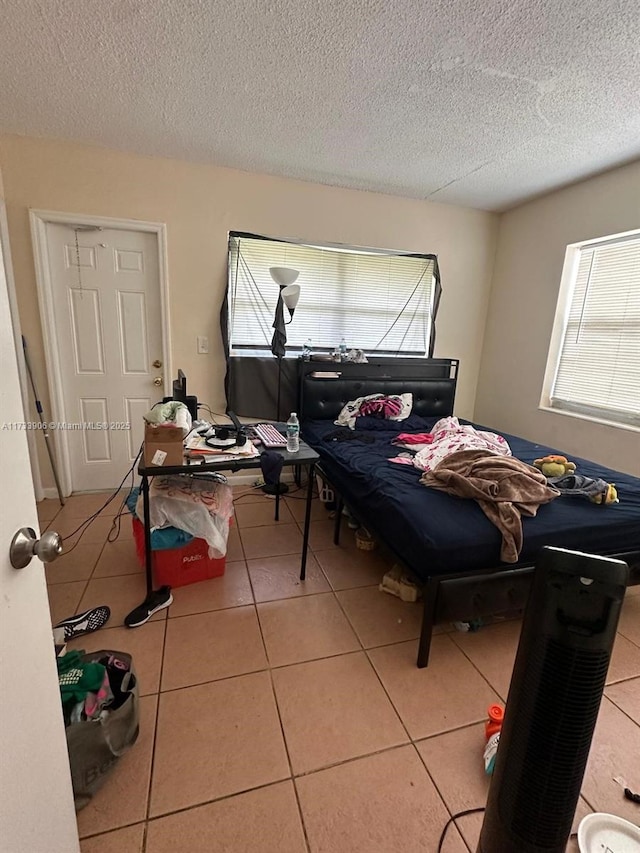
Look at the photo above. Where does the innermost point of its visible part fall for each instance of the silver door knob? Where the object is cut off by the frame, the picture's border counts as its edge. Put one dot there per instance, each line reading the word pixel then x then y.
pixel 26 545
pixel 157 380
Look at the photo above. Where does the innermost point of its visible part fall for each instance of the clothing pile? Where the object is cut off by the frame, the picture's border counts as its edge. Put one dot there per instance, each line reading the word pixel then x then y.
pixel 162 538
pixel 450 436
pixel 341 434
pixel 200 507
pixel 171 412
pixel 447 436
pixel 90 690
pixel 100 701
pixel 503 487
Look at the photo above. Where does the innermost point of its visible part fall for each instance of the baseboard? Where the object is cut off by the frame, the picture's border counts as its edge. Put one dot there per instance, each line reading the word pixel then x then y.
pixel 50 494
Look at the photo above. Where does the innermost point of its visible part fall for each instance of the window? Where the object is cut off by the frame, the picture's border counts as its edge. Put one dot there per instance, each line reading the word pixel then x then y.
pixel 377 301
pixel 594 361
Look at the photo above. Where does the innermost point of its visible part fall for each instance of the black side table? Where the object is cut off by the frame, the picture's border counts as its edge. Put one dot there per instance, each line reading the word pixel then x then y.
pixel 305 457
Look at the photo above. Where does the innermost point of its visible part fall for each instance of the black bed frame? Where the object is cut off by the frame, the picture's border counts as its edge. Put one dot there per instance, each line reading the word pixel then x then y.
pixel 447 598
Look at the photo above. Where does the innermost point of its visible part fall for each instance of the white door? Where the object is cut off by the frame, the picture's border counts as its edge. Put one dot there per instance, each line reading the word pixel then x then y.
pixel 109 335
pixel 36 809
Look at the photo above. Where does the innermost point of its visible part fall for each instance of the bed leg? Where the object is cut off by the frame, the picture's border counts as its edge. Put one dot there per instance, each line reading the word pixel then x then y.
pixel 338 520
pixel 430 595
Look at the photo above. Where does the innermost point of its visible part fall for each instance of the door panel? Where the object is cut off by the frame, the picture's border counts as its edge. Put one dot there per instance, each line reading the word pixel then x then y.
pixel 128 261
pixel 132 316
pixel 135 409
pixel 109 331
pixel 86 331
pixel 36 813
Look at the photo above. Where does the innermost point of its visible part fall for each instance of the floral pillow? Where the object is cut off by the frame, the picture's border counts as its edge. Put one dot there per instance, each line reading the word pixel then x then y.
pixel 393 407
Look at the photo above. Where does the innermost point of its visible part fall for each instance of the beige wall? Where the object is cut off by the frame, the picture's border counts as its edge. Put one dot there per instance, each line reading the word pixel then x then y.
pixel 201 203
pixel 531 246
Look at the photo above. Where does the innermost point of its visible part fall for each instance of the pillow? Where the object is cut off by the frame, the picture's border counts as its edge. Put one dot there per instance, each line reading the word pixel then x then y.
pixel 386 408
pixel 393 407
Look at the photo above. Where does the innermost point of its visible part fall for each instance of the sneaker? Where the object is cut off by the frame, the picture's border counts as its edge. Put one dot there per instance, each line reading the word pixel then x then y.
pixel 157 599
pixel 84 623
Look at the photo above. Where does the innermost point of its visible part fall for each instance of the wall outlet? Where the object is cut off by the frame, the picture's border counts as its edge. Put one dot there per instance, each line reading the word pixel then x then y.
pixel 202 342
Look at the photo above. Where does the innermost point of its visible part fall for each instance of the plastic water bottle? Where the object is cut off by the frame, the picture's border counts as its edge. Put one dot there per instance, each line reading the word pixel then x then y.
pixel 343 349
pixel 293 433
pixel 306 349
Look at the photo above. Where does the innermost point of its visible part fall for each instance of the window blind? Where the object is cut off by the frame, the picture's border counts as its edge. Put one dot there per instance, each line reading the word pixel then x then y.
pixel 598 370
pixel 377 301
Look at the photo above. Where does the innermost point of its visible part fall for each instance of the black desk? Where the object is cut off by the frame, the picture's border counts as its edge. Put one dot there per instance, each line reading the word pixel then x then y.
pixel 305 457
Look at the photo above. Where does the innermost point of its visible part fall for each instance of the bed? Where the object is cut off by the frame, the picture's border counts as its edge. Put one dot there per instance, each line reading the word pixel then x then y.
pixel 446 543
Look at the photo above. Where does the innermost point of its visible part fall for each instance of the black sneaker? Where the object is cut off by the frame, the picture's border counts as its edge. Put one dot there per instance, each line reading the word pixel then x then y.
pixel 84 623
pixel 156 600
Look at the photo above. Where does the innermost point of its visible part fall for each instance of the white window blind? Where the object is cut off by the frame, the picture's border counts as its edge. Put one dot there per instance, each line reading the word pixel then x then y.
pixel 598 370
pixel 376 301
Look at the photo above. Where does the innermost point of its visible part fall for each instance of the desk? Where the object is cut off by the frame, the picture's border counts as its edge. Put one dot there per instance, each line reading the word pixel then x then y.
pixel 305 457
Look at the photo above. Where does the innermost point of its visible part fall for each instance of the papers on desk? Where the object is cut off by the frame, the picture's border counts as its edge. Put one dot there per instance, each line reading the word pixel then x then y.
pixel 195 444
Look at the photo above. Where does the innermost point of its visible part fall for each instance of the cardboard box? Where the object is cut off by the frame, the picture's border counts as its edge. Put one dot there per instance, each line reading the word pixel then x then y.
pixel 179 566
pixel 163 445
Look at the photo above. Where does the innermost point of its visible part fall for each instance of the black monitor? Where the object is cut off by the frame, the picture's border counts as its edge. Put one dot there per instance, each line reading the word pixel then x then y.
pixel 179 393
pixel 179 388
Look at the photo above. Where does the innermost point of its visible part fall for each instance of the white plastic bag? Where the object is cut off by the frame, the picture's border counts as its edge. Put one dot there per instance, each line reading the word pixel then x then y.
pixel 200 507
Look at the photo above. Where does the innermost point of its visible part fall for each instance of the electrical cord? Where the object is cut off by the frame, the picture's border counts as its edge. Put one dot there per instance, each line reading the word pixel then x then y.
pixel 211 413
pixel 451 820
pixel 463 814
pixel 84 526
pixel 116 524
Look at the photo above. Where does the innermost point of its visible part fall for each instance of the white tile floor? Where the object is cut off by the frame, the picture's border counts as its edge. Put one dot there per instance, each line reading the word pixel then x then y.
pixel 281 717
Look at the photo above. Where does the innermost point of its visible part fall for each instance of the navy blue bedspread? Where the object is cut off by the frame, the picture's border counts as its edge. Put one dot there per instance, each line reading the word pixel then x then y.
pixel 435 533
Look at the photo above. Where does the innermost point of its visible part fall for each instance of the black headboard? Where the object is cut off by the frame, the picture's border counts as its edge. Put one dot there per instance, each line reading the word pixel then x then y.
pixel 432 381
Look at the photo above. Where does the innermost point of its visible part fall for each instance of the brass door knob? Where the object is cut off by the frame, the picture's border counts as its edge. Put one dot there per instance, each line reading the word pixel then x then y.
pixel 157 380
pixel 157 363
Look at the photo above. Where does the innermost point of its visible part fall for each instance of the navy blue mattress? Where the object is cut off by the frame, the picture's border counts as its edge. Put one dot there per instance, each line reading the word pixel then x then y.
pixel 434 533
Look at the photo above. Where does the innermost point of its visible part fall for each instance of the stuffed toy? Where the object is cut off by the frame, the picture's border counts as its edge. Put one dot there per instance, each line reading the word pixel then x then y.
pixel 607 496
pixel 555 466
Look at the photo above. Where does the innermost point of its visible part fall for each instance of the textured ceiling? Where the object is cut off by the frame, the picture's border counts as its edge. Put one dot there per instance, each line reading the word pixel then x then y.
pixel 476 102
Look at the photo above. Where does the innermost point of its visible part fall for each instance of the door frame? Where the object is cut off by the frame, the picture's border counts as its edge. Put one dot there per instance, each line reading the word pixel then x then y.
pixel 25 387
pixel 39 219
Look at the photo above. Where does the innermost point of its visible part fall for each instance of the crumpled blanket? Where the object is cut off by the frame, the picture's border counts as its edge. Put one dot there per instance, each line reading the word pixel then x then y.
pixel 504 488
pixel 450 436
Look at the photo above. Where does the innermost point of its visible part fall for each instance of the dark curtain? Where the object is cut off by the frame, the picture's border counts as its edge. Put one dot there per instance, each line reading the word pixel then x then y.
pixel 437 293
pixel 252 386
pixel 224 331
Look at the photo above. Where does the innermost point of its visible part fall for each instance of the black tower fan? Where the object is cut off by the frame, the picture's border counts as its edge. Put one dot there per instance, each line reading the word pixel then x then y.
pixel 558 679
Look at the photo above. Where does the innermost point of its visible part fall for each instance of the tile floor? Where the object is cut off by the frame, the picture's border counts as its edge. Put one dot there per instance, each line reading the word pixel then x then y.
pixel 277 716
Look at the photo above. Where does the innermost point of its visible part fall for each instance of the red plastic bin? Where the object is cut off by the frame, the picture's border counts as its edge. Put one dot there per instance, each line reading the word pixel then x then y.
pixel 179 566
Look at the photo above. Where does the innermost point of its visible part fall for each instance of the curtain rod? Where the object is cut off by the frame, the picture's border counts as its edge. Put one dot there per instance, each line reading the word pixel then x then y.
pixel 246 235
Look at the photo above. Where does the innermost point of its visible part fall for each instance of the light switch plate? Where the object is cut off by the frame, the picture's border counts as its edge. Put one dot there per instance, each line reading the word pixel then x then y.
pixel 202 344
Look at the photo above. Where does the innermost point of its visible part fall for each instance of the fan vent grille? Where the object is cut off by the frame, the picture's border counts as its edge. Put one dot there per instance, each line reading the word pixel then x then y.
pixel 560 701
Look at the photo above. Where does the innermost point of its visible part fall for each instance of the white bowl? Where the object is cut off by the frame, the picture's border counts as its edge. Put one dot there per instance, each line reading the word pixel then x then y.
pixel 601 832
